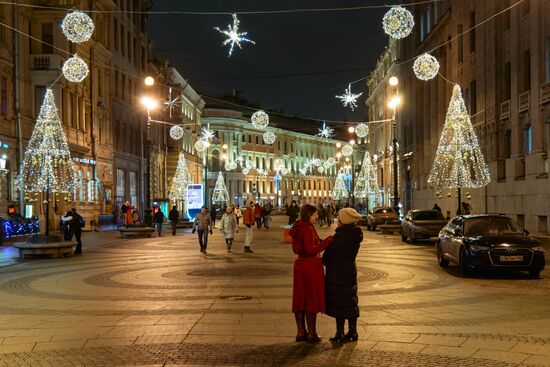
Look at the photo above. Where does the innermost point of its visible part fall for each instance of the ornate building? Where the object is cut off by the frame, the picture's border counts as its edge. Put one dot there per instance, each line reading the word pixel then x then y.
pixel 260 182
pixel 503 68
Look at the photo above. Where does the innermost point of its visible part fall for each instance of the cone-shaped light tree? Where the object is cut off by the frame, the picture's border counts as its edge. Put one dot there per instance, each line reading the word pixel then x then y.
pixel 366 182
pixel 459 161
pixel 47 165
pixel 180 181
pixel 220 194
pixel 340 192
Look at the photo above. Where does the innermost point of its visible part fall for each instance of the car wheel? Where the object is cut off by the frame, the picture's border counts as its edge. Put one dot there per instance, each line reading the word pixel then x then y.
pixel 440 259
pixel 411 237
pixel 464 269
pixel 403 236
pixel 535 274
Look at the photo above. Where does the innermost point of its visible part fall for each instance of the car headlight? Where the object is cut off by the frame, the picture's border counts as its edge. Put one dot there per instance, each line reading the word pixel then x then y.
pixel 478 248
pixel 538 248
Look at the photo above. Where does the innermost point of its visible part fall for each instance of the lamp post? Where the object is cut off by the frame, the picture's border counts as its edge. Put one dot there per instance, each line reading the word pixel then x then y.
pixel 393 103
pixel 150 104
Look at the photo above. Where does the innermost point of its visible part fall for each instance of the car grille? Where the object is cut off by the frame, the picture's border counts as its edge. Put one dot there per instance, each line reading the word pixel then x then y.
pixel 497 253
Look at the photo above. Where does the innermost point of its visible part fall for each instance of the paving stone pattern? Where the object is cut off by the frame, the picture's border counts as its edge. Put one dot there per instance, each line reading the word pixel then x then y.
pixel 159 302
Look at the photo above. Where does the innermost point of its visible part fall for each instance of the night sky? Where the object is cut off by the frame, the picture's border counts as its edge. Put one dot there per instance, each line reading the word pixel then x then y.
pixel 333 48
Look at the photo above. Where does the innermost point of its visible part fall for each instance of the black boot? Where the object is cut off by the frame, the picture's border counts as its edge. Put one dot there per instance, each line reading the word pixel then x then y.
pixel 339 336
pixel 352 333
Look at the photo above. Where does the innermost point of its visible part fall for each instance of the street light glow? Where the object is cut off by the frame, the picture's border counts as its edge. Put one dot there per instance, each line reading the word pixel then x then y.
pixel 393 81
pixel 352 142
pixel 351 129
pixel 338 155
pixel 149 81
pixel 224 146
pixel 338 145
pixel 224 157
pixel 394 102
pixel 149 102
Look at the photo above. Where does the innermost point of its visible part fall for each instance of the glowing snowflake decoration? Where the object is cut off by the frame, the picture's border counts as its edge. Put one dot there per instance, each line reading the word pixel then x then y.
pixel 207 134
pixel 398 22
pixel 325 132
pixel 77 27
pixel 284 171
pixel 348 98
pixel 425 67
pixel 233 165
pixel 362 130
pixel 176 132
pixel 234 37
pixel 228 166
pixel 200 146
pixel 171 103
pixel 75 69
pixel 326 165
pixel 321 169
pixel 246 171
pixel 269 137
pixel 303 171
pixel 260 120
pixel 261 172
pixel 331 161
pixel 239 160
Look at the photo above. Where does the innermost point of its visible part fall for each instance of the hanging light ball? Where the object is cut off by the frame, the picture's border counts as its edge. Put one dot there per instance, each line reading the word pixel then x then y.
pixel 331 161
pixel 326 165
pixel 260 120
pixel 362 130
pixel 77 26
pixel 278 162
pixel 269 137
pixel 233 165
pixel 200 146
pixel 321 169
pixel 75 69
pixel 425 67
pixel 176 132
pixel 347 150
pixel 398 22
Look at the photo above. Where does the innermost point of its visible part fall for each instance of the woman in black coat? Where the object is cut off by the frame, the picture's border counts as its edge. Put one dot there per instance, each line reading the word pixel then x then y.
pixel 341 274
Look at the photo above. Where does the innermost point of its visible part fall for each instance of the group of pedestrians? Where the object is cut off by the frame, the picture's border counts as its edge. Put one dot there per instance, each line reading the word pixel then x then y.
pixel 72 224
pixel 335 293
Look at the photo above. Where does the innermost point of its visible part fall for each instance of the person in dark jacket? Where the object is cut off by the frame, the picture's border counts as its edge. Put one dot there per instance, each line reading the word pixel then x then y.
pixel 292 212
pixel 76 226
pixel 66 225
pixel 174 217
pixel 341 274
pixel 213 215
pixel 159 219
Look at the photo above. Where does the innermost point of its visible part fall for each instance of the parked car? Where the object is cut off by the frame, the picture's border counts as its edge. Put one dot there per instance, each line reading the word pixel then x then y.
pixel 489 242
pixel 422 224
pixel 380 215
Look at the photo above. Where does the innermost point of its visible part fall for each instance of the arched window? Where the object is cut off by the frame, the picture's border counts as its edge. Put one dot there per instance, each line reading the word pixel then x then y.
pixel 80 187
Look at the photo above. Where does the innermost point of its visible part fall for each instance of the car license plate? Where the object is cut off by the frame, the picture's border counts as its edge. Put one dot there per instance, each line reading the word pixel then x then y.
pixel 511 258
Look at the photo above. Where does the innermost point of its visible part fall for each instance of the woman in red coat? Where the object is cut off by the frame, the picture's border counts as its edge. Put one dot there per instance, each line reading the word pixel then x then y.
pixel 309 278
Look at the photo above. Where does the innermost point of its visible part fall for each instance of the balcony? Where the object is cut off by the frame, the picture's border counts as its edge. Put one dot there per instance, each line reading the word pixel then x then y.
pixel 505 110
pixel 46 62
pixel 545 93
pixel 524 100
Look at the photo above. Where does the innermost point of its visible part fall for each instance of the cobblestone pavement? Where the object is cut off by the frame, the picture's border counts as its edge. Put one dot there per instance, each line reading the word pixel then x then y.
pixel 159 302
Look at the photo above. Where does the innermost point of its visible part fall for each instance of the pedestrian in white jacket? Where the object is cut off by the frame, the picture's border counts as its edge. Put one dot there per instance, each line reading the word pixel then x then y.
pixel 229 226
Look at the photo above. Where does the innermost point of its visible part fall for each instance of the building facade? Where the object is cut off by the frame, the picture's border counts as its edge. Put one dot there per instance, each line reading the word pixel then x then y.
pixel 503 68
pixel 260 182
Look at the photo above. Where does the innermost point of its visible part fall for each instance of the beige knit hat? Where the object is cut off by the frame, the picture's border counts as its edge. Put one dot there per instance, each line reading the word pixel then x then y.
pixel 349 216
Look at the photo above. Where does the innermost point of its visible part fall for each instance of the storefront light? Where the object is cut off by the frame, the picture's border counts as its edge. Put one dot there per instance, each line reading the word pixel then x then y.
pixel 3 161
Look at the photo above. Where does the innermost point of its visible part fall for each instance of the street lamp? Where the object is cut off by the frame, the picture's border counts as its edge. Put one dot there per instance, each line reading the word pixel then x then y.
pixel 149 81
pixel 150 104
pixel 393 103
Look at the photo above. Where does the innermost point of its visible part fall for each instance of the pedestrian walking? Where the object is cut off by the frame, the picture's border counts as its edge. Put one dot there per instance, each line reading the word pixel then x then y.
pixel 238 214
pixel 76 224
pixel 266 213
pixel 135 216
pixel 258 215
pixel 229 227
pixel 203 223
pixel 213 215
pixel 330 215
pixel 159 220
pixel 292 212
pixel 308 293
pixel 174 217
pixel 341 274
pixel 249 217
pixel 123 210
pixel 321 212
pixel 66 226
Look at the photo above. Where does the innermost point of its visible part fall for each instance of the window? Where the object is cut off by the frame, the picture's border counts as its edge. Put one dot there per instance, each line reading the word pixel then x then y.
pixel 473 31
pixel 115 33
pixel 526 68
pixel 543 224
pixel 4 97
pixel 508 144
pixel 122 40
pixel 47 38
pixel 133 187
pixel 507 92
pixel 422 33
pixel 460 56
pixel 39 92
pixel 547 58
pixel 429 20
pixel 527 139
pixel 473 97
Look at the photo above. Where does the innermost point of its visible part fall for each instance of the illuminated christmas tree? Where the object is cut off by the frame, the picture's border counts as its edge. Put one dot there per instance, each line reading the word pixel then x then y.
pixel 459 161
pixel 180 181
pixel 366 183
pixel 47 165
pixel 340 192
pixel 220 194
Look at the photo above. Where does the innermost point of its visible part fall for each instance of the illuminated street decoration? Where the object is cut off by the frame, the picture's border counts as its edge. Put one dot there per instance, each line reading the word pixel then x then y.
pixel 176 132
pixel 398 22
pixel 348 98
pixel 425 67
pixel 325 132
pixel 362 130
pixel 220 194
pixel 75 69
pixel 260 120
pixel 77 26
pixel 182 179
pixel 234 37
